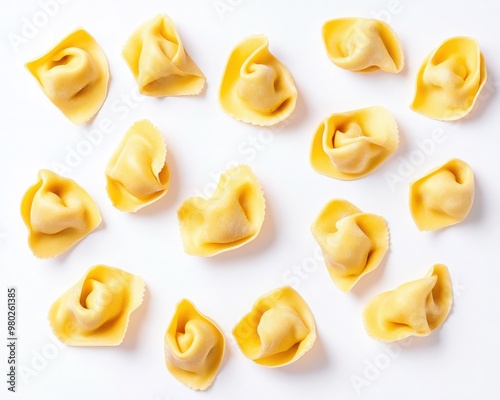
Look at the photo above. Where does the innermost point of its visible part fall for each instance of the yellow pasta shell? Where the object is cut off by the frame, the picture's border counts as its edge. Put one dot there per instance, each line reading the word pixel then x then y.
pixel 74 76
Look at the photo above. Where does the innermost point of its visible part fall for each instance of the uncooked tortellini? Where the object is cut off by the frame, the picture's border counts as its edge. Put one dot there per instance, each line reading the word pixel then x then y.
pixel 443 197
pixel 74 76
pixel 278 331
pixel 137 174
pixel 194 347
pixel 363 45
pixel 159 62
pixel 256 87
pixel 96 311
pixel 450 80
pixel 415 308
pixel 350 145
pixel 58 213
pixel 353 243
pixel 231 217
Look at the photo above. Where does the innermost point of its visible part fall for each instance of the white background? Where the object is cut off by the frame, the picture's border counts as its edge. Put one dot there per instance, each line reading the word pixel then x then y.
pixel 458 361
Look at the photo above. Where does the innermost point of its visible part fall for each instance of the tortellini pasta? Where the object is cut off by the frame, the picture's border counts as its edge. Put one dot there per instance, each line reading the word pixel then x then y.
pixel 58 213
pixel 137 174
pixel 443 197
pixel 352 144
pixel 363 45
pixel 256 87
pixel 194 347
pixel 96 311
pixel 353 243
pixel 230 218
pixel 159 62
pixel 278 331
pixel 415 308
pixel 450 80
pixel 74 76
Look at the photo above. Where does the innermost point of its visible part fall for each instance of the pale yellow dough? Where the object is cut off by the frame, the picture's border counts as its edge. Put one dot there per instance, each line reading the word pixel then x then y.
pixel 362 45
pixel 137 174
pixel 159 62
pixel 278 331
pixel 58 213
pixel 415 308
pixel 96 311
pixel 450 79
pixel 194 347
pixel 443 197
pixel 74 76
pixel 352 144
pixel 256 87
pixel 230 218
pixel 353 242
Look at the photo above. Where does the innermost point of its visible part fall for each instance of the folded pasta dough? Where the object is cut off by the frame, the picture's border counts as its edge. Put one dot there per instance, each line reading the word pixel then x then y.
pixel 256 87
pixel 415 308
pixel 58 213
pixel 230 218
pixel 194 347
pixel 353 243
pixel 74 76
pixel 160 64
pixel 96 311
pixel 278 331
pixel 442 197
pixel 450 79
pixel 137 174
pixel 352 144
pixel 363 45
